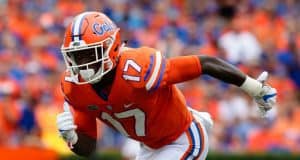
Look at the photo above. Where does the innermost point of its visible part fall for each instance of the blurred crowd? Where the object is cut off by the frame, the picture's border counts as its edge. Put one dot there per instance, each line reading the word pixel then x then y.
pixel 254 35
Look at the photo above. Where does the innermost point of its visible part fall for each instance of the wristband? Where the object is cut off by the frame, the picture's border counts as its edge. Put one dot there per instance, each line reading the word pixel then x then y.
pixel 252 86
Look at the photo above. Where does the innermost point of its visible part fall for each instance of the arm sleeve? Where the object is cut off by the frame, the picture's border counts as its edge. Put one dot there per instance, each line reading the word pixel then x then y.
pixel 180 69
pixel 86 124
pixel 175 70
pixel 151 70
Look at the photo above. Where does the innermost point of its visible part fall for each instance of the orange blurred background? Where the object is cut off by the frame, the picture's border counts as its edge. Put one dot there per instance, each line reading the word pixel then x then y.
pixel 254 35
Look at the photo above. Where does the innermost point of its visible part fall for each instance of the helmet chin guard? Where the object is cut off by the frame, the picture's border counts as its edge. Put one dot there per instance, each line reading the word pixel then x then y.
pixel 86 73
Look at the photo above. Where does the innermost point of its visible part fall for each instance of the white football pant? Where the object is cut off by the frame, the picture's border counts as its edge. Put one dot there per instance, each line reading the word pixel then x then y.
pixel 191 145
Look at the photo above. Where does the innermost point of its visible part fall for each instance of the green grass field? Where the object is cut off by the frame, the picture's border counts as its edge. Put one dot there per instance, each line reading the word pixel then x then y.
pixel 211 156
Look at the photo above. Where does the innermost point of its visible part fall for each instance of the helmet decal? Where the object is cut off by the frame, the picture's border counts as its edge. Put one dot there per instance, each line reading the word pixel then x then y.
pixel 100 29
pixel 77 25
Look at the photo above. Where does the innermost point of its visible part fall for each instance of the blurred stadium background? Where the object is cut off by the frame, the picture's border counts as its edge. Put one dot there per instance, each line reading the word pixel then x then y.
pixel 254 35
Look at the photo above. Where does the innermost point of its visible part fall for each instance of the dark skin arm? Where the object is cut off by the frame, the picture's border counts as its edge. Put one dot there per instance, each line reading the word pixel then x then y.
pixel 85 145
pixel 221 70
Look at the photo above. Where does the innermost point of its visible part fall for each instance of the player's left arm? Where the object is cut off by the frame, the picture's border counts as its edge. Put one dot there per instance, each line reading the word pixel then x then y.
pixel 263 94
pixel 188 67
pixel 152 71
pixel 221 70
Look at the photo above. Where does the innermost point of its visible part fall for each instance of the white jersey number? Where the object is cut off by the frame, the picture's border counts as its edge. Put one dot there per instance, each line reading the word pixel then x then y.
pixel 138 115
pixel 132 64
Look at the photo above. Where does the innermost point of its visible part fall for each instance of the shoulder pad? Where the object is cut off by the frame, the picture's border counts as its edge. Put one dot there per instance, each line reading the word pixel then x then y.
pixel 142 67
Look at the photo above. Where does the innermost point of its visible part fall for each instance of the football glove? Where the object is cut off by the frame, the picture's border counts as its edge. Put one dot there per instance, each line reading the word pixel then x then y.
pixel 266 99
pixel 264 95
pixel 66 126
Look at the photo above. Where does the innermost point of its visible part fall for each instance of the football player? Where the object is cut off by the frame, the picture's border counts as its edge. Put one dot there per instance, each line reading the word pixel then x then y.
pixel 133 90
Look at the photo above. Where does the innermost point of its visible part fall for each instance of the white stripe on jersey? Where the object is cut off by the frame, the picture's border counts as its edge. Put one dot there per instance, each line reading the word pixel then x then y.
pixel 155 73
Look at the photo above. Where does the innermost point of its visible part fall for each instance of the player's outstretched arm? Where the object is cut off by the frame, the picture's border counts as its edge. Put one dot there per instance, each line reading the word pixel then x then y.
pixel 263 94
pixel 221 70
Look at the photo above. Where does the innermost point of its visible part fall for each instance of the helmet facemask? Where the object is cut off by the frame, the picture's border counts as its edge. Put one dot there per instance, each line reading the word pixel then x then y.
pixel 90 61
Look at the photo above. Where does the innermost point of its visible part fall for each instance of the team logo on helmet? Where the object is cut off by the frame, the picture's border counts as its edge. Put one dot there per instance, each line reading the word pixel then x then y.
pixel 100 29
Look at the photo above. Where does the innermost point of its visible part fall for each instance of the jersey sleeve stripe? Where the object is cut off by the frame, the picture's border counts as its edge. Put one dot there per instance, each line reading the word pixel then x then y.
pixel 149 68
pixel 153 77
pixel 162 70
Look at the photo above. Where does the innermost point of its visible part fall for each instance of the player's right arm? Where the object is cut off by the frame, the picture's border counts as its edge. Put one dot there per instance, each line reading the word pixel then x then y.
pixel 78 130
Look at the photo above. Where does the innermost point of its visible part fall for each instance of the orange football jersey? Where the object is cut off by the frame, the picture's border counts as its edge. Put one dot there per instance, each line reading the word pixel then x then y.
pixel 143 102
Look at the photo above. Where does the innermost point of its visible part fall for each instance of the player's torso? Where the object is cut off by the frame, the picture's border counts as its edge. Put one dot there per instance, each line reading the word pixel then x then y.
pixel 154 118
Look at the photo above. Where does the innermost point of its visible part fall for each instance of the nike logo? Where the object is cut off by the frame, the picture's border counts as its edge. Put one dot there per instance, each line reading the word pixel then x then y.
pixel 268 96
pixel 128 105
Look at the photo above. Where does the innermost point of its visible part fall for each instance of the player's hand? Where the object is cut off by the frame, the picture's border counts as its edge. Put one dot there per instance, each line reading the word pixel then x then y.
pixel 66 126
pixel 266 99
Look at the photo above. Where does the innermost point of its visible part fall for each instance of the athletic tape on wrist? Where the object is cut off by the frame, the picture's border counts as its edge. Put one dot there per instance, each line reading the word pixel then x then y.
pixel 252 86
